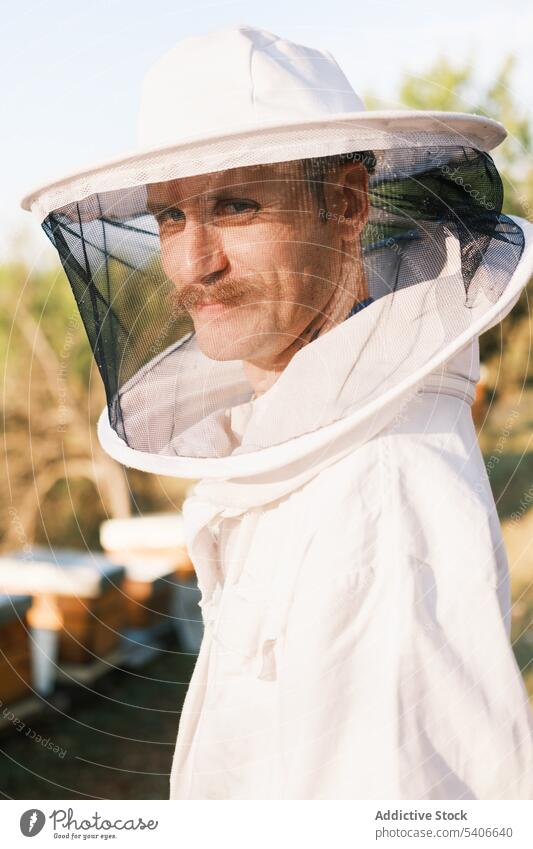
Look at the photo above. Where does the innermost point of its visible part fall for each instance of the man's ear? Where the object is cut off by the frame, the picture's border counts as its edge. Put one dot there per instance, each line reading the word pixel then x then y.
pixel 355 198
pixel 346 197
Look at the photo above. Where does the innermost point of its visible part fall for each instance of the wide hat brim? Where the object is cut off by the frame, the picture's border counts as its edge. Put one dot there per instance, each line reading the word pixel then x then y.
pixel 268 143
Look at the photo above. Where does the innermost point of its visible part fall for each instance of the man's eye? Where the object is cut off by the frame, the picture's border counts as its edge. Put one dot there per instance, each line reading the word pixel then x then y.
pixel 237 207
pixel 170 215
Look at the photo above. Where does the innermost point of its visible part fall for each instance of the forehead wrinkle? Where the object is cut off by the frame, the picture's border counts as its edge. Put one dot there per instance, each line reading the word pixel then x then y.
pixel 175 191
pixel 188 188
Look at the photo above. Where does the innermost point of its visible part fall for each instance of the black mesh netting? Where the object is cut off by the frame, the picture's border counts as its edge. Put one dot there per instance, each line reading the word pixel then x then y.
pixel 192 288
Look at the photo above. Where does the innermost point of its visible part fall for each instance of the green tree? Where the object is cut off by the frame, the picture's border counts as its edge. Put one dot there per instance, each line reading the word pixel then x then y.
pixel 454 88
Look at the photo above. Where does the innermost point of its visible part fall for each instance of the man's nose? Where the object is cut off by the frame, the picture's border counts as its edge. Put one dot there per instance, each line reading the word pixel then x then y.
pixel 202 253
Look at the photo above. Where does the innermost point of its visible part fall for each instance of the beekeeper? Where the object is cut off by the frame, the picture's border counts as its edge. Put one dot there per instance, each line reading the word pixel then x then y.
pixel 284 295
pixel 260 301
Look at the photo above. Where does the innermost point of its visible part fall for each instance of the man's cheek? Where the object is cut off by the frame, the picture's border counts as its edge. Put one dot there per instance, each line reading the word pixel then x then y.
pixel 171 269
pixel 166 263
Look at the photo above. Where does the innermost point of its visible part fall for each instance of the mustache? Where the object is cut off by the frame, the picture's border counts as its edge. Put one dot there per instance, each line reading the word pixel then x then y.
pixel 189 297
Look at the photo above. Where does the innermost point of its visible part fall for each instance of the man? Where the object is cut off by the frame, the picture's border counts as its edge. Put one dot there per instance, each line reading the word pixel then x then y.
pixel 288 281
pixel 284 296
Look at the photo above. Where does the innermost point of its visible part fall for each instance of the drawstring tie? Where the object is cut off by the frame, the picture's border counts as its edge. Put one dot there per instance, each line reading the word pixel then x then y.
pixel 235 605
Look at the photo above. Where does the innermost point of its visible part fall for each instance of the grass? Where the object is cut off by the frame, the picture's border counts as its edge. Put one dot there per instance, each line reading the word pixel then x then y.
pixel 119 738
pixel 506 439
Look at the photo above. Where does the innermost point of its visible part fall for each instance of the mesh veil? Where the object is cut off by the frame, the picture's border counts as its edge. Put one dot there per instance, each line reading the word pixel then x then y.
pixel 288 249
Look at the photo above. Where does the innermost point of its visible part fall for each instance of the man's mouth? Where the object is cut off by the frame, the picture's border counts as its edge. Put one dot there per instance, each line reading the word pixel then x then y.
pixel 213 307
pixel 210 307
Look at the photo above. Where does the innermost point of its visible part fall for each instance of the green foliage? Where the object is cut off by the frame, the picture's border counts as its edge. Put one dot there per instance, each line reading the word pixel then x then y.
pixel 455 89
pixel 443 87
pixel 61 484
pixel 46 295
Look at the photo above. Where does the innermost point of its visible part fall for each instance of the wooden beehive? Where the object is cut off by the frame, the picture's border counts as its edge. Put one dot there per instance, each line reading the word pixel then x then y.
pixel 15 659
pixel 147 601
pixel 146 586
pixel 91 626
pixel 88 594
pixel 153 552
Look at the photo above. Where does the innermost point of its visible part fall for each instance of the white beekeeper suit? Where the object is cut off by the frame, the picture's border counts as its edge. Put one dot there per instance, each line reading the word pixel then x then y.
pixel 355 588
pixel 357 616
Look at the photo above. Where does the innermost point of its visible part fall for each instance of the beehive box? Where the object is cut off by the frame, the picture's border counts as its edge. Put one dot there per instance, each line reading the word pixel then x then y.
pixel 158 537
pixel 153 551
pixel 145 589
pixel 88 594
pixel 15 660
pixel 147 592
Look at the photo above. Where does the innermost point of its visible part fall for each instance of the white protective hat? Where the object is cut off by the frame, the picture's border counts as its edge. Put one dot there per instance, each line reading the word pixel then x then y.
pixel 243 96
pixel 441 262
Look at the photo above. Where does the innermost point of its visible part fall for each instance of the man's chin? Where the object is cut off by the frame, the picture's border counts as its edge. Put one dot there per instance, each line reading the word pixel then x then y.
pixel 223 340
pixel 226 332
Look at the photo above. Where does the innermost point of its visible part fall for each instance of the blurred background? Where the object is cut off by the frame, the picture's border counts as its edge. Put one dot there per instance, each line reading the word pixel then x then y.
pixel 96 651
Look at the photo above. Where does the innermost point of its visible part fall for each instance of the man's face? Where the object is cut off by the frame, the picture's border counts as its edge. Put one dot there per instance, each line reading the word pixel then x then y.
pixel 255 261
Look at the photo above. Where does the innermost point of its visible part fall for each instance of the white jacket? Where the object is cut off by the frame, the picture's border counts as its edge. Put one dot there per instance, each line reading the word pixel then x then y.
pixel 357 626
